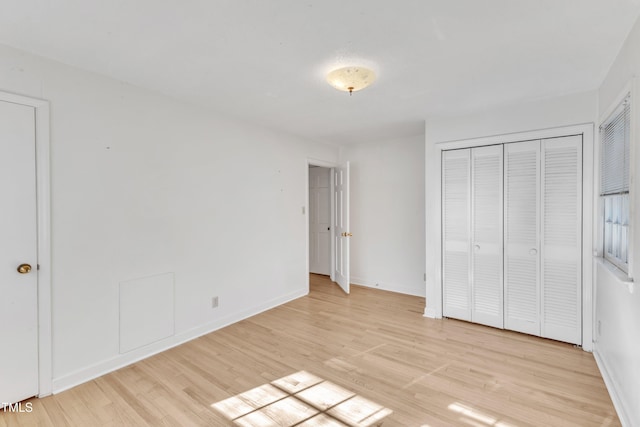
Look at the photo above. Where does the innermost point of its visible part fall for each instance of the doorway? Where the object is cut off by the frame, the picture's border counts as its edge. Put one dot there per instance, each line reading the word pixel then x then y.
pixel 319 220
pixel 337 230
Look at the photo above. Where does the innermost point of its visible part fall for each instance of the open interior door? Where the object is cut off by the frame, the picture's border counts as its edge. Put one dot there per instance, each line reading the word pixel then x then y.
pixel 341 233
pixel 18 252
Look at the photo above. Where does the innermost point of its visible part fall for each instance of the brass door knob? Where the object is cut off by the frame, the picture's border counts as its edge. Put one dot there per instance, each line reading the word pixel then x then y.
pixel 24 268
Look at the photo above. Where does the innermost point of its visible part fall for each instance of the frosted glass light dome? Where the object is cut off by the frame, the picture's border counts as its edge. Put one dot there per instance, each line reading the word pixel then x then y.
pixel 351 79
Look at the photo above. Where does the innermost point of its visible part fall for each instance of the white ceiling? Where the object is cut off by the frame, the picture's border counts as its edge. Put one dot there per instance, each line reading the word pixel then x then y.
pixel 265 60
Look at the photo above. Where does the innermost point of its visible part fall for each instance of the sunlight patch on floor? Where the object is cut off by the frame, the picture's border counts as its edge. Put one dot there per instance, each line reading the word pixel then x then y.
pixel 301 399
pixel 475 417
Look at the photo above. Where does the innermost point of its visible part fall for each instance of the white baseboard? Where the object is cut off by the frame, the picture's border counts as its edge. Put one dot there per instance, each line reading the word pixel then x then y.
pixel 430 313
pixel 89 373
pixel 613 393
pixel 385 286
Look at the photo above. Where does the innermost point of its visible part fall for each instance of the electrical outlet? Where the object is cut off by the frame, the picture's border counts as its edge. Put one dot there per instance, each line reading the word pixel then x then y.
pixel 214 302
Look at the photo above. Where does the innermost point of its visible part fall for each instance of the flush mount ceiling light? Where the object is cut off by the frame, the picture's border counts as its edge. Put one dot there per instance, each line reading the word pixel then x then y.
pixel 351 79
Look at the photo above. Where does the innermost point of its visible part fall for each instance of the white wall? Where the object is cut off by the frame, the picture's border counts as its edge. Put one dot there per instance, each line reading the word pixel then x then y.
pixel 387 214
pixel 617 346
pixel 142 184
pixel 545 113
pixel 536 115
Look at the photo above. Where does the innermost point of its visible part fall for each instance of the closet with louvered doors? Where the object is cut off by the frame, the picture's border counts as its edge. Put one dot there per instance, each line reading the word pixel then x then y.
pixel 543 238
pixel 472 234
pixel 512 233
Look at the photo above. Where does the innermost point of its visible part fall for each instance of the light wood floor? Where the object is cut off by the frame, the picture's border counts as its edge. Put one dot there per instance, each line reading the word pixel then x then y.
pixel 374 343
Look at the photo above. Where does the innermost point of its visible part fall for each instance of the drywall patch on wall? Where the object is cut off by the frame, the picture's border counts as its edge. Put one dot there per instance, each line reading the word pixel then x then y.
pixel 146 311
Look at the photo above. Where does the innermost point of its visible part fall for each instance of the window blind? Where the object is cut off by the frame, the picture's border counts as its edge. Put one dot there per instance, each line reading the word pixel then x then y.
pixel 614 158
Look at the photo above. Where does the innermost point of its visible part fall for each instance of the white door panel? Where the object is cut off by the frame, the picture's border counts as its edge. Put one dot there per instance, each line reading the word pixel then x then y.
pixel 18 292
pixel 456 233
pixel 543 238
pixel 561 242
pixel 456 247
pixel 472 234
pixel 486 224
pixel 341 233
pixel 522 229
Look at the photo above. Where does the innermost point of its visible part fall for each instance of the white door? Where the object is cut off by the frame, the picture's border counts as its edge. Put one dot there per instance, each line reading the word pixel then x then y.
pixel 486 226
pixel 543 229
pixel 342 233
pixel 18 291
pixel 561 239
pixel 521 237
pixel 319 220
pixel 456 233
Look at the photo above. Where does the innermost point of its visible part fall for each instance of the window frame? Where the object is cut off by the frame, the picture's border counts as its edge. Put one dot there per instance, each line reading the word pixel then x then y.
pixel 619 231
pixel 627 95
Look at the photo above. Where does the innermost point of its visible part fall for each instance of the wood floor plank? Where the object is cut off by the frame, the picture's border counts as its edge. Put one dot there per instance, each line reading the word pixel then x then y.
pixel 376 345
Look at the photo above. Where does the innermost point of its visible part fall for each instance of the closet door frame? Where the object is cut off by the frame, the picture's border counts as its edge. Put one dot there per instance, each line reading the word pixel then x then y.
pixel 434 290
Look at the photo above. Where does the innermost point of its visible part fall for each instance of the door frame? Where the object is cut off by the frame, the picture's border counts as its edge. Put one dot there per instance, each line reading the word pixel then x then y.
pixel 434 289
pixel 43 219
pixel 332 244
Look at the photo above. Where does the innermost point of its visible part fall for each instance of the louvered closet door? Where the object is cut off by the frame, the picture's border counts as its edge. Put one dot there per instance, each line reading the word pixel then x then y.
pixel 521 237
pixel 562 239
pixel 456 233
pixel 486 223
